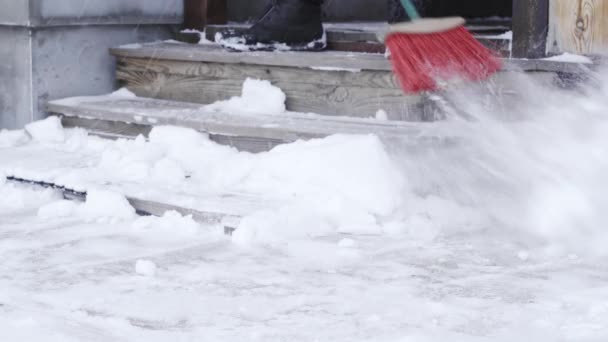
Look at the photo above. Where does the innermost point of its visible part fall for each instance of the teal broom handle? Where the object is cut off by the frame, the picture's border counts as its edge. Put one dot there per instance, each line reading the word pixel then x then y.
pixel 411 10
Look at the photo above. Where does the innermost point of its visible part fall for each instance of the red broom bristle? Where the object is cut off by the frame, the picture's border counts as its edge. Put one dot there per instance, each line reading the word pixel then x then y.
pixel 421 60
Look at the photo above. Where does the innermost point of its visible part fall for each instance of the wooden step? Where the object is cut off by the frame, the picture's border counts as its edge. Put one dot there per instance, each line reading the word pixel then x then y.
pixel 362 36
pixel 331 82
pixel 128 117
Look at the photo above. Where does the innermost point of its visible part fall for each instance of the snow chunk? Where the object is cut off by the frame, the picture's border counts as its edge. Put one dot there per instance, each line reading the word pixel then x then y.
pixel 338 184
pixel 570 58
pixel 145 268
pixel 13 138
pixel 48 130
pixel 123 93
pixel 103 204
pixel 258 97
pixel 381 115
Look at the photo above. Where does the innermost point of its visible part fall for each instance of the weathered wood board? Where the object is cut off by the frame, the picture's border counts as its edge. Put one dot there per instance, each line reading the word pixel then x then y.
pixel 578 26
pixel 344 93
pixel 287 127
pixel 326 59
pixel 330 82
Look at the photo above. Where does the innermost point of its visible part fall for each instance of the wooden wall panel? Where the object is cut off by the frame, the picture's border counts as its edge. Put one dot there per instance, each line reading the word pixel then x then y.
pixel 578 26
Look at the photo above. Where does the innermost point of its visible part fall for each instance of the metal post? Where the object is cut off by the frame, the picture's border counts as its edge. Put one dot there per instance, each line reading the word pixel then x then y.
pixel 530 28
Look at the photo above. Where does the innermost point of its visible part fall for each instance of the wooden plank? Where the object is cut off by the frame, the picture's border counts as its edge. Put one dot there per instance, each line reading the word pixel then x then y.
pixel 345 93
pixel 287 127
pixel 306 98
pixel 334 59
pixel 579 26
pixel 216 54
pixel 219 71
pixel 530 28
pixel 121 130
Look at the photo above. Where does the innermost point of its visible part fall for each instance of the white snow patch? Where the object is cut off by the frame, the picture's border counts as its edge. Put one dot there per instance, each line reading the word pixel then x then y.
pixel 57 209
pixel 258 97
pixel 381 115
pixel 13 138
pixel 172 225
pixel 202 36
pixel 145 268
pixel 131 46
pixel 353 175
pixel 104 205
pixel 570 58
pixel 122 93
pixel 239 44
pixel 48 130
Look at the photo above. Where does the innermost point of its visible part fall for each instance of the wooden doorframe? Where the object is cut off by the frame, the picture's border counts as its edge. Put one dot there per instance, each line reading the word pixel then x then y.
pixel 530 28
pixel 200 13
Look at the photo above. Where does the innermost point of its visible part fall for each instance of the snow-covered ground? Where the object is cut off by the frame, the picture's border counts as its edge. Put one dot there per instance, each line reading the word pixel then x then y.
pixel 102 278
pixel 497 235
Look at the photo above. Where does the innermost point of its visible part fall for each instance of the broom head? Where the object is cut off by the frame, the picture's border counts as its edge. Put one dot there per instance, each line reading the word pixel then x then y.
pixel 428 53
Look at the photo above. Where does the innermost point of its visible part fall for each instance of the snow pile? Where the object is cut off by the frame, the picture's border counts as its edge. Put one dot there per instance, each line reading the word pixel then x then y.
pixel 48 130
pixel 58 209
pixel 342 183
pixel 105 205
pixel 171 226
pixel 258 97
pixel 14 199
pixel 100 205
pixel 13 138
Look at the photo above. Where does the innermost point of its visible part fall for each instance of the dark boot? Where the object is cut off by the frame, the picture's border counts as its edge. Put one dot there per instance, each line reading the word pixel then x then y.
pixel 285 24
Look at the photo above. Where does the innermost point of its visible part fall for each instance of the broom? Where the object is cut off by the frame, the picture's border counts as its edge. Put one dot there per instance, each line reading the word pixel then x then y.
pixel 428 53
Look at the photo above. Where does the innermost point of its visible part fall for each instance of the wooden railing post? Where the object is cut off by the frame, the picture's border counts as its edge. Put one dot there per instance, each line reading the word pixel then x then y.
pixel 530 28
pixel 199 13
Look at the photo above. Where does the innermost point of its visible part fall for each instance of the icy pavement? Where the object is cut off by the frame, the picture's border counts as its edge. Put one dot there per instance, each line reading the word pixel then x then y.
pixel 170 279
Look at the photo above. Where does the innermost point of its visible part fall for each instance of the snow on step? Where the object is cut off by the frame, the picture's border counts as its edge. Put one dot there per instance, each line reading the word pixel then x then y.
pixel 274 193
pixel 285 127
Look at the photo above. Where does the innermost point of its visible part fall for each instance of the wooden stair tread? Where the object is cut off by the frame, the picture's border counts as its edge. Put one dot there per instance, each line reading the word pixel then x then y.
pixel 325 59
pixel 286 127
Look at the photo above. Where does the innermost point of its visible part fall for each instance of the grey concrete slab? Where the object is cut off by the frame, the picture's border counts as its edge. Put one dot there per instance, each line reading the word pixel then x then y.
pixel 15 77
pixel 38 13
pixel 109 8
pixel 73 61
pixel 14 12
